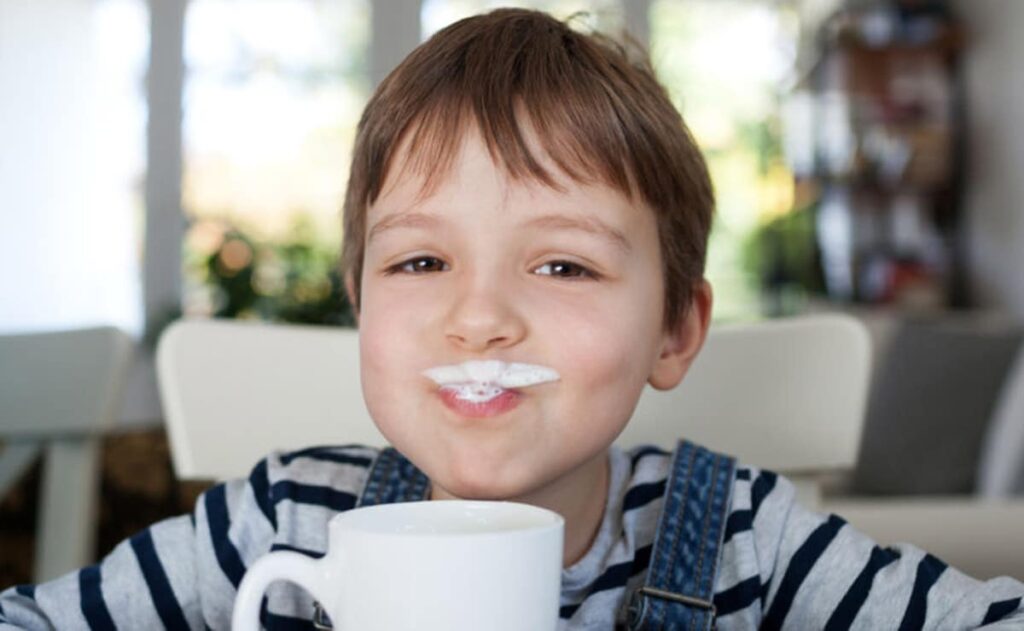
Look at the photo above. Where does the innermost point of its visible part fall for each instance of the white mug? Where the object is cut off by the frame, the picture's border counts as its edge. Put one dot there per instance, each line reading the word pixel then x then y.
pixel 446 565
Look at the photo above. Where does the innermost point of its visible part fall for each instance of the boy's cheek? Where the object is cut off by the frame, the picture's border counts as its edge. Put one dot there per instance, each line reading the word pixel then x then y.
pixel 401 301
pixel 384 347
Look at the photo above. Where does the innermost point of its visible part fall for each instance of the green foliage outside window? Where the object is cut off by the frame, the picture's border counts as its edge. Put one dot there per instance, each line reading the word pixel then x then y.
pixel 293 278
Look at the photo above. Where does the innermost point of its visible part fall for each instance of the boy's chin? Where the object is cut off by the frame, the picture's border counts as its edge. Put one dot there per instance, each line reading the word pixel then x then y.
pixel 482 484
pixel 438 492
pixel 472 490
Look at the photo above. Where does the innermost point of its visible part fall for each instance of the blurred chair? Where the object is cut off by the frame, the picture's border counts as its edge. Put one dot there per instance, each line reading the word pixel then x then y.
pixel 944 424
pixel 1001 465
pixel 234 391
pixel 786 394
pixel 937 383
pixel 59 393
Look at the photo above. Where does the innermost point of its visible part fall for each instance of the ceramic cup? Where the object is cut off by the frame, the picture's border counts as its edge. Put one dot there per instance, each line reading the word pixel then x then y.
pixel 432 566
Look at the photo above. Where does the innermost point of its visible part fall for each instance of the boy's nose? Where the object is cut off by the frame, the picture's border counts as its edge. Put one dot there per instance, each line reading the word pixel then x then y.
pixel 482 319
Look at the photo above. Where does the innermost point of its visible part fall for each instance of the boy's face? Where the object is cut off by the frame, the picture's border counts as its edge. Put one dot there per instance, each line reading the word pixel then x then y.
pixel 487 268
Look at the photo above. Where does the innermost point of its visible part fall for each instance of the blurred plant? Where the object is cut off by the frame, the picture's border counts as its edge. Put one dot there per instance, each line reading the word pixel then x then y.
pixel 785 252
pixel 293 279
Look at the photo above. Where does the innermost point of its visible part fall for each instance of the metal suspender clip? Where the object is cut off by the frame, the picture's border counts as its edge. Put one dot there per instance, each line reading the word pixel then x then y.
pixel 679 598
pixel 637 604
pixel 320 620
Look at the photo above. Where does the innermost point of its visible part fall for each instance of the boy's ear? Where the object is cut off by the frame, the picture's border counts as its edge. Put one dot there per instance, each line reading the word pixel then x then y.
pixel 350 290
pixel 680 346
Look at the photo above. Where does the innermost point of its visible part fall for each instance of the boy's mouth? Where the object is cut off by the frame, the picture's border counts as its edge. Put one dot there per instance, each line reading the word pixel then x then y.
pixel 480 407
pixel 479 382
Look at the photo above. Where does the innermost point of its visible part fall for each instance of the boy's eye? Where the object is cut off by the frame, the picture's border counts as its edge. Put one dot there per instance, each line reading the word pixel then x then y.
pixel 565 269
pixel 557 269
pixel 418 265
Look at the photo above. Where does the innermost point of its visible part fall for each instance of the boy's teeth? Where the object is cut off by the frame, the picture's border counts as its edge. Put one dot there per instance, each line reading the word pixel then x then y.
pixel 474 392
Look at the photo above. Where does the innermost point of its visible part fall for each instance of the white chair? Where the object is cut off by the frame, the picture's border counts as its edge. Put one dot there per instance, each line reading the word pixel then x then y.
pixel 785 394
pixel 59 392
pixel 233 391
pixel 1001 465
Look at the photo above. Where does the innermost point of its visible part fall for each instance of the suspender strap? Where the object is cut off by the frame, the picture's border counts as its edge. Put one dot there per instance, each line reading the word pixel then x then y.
pixel 393 479
pixel 678 592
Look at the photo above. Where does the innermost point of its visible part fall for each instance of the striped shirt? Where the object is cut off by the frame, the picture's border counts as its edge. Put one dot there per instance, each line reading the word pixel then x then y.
pixel 781 565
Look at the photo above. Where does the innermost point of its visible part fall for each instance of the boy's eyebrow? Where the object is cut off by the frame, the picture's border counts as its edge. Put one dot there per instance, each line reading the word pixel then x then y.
pixel 402 220
pixel 590 225
pixel 593 225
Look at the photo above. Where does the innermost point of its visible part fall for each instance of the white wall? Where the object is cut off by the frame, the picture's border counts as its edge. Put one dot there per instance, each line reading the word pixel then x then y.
pixel 995 181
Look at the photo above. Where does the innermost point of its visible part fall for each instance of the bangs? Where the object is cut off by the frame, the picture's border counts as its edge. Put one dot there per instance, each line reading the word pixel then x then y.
pixel 517 140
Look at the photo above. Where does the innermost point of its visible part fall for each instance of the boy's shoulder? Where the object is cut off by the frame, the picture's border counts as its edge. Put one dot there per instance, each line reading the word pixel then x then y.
pixel 336 473
pixel 651 463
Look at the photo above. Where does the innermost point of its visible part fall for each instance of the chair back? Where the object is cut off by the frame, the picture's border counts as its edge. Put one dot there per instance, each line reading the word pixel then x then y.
pixel 59 391
pixel 1001 465
pixel 785 394
pixel 61 382
pixel 233 391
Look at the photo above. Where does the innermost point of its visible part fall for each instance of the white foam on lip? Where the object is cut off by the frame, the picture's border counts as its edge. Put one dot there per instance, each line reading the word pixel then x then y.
pixel 475 393
pixel 482 380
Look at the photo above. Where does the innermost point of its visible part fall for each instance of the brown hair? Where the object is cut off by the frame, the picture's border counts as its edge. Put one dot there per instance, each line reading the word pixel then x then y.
pixel 598 114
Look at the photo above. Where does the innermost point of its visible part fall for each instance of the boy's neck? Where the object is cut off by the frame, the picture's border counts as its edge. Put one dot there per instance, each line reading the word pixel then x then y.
pixel 579 497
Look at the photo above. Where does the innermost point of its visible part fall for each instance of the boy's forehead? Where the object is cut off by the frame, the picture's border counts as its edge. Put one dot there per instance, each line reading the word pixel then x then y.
pixel 417 179
pixel 410 199
pixel 423 161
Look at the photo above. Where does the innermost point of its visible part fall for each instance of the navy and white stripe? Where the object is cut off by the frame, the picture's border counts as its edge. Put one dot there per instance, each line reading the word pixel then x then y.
pixel 782 567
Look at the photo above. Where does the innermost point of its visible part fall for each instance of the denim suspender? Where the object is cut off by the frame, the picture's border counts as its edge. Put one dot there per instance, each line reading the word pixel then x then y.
pixel 679 588
pixel 393 479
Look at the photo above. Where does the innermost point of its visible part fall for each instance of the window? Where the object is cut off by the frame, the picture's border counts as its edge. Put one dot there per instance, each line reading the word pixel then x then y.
pixel 724 63
pixel 273 92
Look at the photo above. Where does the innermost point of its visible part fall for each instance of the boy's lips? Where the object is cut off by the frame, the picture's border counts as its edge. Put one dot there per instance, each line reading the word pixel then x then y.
pixel 503 402
pixel 483 388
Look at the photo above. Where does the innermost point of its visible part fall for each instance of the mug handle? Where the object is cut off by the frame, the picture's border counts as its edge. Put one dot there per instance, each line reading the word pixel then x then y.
pixel 281 565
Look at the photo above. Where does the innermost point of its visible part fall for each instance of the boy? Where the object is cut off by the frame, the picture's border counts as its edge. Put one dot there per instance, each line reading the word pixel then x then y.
pixel 522 194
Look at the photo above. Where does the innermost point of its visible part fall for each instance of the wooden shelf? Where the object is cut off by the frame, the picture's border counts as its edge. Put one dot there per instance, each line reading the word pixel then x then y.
pixel 895 108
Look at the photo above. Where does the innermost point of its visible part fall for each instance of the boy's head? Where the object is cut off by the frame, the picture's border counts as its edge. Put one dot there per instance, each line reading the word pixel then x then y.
pixel 599 115
pixel 522 192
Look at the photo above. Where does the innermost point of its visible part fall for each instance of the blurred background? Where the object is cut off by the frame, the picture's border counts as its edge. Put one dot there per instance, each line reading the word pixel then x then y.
pixel 178 158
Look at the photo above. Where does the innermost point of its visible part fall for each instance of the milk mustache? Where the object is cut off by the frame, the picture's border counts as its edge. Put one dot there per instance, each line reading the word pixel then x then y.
pixel 478 381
